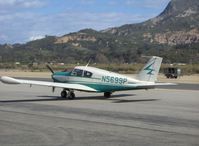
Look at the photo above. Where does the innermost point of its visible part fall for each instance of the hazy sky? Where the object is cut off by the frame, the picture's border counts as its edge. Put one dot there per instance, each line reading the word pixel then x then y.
pixel 25 20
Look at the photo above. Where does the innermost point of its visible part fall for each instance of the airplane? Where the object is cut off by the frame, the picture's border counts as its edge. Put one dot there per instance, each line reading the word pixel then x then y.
pixel 91 79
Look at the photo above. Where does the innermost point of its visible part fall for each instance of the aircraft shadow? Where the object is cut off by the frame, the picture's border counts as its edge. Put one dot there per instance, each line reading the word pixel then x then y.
pixel 57 98
pixel 31 100
pixel 134 100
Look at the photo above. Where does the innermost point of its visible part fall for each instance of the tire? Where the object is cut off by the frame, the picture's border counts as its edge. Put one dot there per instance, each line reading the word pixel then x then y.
pixel 107 94
pixel 64 94
pixel 71 96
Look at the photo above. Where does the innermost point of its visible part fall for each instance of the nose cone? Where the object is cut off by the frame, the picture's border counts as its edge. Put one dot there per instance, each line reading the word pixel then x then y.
pixel 60 76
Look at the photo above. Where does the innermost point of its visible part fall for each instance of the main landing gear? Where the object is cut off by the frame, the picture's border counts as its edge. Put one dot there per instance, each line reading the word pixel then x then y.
pixel 71 95
pixel 68 94
pixel 107 94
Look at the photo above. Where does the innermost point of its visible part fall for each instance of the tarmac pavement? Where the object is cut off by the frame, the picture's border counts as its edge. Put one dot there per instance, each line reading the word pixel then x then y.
pixel 160 117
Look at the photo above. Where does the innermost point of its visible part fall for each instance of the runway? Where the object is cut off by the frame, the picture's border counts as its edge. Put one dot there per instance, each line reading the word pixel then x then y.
pixel 159 117
pixel 181 86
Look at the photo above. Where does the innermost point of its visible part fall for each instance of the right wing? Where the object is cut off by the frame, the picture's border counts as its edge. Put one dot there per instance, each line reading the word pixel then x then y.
pixel 9 80
pixel 151 85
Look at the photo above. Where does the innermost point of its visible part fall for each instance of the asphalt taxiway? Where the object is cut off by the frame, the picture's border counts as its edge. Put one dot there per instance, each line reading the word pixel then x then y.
pixel 159 117
pixel 180 86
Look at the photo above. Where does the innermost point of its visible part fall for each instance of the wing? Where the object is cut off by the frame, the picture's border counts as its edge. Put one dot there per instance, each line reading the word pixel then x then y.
pixel 151 85
pixel 165 84
pixel 9 80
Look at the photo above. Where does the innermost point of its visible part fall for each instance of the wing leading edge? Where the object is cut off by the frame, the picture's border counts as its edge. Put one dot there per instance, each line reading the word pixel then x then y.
pixel 9 80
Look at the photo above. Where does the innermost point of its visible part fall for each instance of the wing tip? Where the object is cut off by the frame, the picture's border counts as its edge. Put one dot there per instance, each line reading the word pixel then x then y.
pixel 9 80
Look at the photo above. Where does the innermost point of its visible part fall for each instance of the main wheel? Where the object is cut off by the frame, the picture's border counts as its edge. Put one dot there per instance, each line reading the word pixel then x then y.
pixel 107 94
pixel 71 96
pixel 63 94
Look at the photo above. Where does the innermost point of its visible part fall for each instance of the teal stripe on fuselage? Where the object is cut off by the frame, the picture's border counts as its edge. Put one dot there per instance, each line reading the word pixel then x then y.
pixel 103 87
pixel 62 73
pixel 97 84
pixel 108 87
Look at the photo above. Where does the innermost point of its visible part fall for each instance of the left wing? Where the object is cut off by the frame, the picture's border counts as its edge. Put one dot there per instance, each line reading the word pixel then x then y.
pixel 9 80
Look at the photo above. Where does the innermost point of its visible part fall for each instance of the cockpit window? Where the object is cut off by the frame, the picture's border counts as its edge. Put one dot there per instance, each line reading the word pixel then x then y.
pixel 77 72
pixel 68 70
pixel 87 74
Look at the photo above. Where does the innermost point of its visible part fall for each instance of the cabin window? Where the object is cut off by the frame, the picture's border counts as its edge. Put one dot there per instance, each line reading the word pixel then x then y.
pixel 87 74
pixel 77 72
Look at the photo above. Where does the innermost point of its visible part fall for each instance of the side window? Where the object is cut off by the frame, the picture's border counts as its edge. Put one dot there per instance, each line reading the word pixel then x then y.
pixel 87 74
pixel 77 72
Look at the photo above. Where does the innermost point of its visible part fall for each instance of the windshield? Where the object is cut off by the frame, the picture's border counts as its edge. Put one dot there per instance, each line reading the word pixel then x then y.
pixel 77 72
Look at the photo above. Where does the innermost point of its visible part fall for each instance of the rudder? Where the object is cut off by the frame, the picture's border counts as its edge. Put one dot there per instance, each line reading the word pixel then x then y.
pixel 150 71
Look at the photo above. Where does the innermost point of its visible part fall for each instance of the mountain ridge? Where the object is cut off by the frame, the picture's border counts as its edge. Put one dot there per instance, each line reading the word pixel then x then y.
pixel 176 29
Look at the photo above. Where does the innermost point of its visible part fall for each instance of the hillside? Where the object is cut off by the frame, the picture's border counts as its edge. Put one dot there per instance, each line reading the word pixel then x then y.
pixel 176 25
pixel 174 35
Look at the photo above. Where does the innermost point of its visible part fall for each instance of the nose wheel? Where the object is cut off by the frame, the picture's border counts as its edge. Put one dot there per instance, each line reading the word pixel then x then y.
pixel 68 94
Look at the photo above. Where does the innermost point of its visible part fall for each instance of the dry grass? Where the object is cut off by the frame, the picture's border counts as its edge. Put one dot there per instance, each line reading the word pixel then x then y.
pixel 192 79
pixel 16 73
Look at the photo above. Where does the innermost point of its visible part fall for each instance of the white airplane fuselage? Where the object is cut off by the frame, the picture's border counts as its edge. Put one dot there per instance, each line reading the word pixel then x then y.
pixel 99 79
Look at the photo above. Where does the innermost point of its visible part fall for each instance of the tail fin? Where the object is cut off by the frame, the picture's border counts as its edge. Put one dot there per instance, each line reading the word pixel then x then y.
pixel 151 69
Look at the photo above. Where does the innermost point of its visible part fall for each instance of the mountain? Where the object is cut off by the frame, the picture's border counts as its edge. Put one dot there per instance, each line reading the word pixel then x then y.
pixel 174 35
pixel 176 25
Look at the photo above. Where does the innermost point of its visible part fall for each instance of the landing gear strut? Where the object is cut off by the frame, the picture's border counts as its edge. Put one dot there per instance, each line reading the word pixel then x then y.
pixel 107 94
pixel 68 94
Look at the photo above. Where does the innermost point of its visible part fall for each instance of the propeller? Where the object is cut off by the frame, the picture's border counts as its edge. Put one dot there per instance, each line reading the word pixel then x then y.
pixel 48 66
pixel 51 70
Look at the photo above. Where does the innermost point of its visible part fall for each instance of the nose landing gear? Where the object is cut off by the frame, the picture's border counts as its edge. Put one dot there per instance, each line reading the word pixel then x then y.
pixel 68 94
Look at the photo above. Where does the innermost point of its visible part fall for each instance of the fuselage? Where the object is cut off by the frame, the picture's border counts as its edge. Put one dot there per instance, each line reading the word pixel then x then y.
pixel 99 79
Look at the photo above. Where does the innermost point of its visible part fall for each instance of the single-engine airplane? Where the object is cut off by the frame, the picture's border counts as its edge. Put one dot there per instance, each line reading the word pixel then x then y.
pixel 91 79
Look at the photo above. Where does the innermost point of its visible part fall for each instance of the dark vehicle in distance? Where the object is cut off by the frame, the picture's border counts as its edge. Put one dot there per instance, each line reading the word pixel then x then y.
pixel 172 72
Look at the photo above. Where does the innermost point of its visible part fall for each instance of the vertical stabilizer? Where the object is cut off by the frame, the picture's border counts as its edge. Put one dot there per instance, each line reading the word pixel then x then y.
pixel 151 69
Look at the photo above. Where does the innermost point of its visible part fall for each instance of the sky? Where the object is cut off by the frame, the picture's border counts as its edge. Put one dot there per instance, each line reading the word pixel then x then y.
pixel 25 20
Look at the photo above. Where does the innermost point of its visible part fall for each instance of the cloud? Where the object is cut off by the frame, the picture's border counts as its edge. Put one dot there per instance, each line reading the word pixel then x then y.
pixel 19 22
pixel 36 37
pixel 3 37
pixel 7 2
pixel 31 4
pixel 87 2
pixel 23 27
pixel 4 4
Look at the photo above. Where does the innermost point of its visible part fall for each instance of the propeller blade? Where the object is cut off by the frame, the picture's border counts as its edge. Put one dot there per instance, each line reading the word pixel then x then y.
pixel 48 66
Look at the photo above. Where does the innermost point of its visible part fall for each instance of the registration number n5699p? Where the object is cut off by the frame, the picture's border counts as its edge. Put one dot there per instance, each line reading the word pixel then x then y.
pixel 113 80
